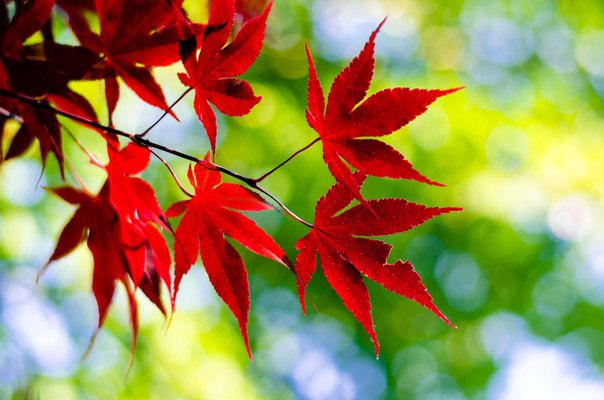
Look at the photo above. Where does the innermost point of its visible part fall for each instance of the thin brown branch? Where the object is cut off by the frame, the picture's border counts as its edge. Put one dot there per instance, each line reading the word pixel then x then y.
pixel 166 112
pixel 10 115
pixel 93 160
pixel 178 182
pixel 138 139
pixel 303 149
pixel 280 204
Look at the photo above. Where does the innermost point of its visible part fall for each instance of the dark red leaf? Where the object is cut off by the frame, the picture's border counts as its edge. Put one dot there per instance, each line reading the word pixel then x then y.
pixel 74 232
pixel 130 160
pixel 47 67
pixel 386 217
pixel 112 95
pixel 237 197
pixel 130 194
pixel 130 49
pixel 22 141
pixel 207 117
pixel 30 18
pixel 74 103
pixel 44 126
pixel 3 119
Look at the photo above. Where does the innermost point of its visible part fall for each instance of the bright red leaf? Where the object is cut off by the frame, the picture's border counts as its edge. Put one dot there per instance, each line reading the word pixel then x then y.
pixel 346 254
pixel 208 217
pixel 97 222
pixel 120 227
pixel 213 72
pixel 135 202
pixel 349 120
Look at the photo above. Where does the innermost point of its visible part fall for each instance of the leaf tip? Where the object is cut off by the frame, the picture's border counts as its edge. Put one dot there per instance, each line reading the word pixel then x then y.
pixel 173 115
pixel 42 270
pixel 382 23
pixel 445 319
pixel 440 93
pixel 421 178
pixel 246 341
pixel 301 295
pixel 376 343
pixel 169 322
pixel 269 7
pixel 311 62
pixel 91 343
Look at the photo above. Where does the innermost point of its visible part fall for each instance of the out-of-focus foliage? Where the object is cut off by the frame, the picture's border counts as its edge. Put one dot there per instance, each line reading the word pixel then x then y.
pixel 520 271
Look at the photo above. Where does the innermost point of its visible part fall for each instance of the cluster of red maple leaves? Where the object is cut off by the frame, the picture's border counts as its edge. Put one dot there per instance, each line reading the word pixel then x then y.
pixel 123 224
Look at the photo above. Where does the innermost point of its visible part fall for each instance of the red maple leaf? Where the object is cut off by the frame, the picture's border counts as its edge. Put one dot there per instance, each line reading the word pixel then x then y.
pixel 210 216
pixel 37 124
pixel 214 70
pixel 97 222
pixel 346 255
pixel 119 225
pixel 134 36
pixel 132 195
pixel 135 201
pixel 29 17
pixel 39 70
pixel 345 125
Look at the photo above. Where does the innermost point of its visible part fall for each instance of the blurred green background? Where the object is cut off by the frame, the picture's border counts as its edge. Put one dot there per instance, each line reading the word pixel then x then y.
pixel 520 271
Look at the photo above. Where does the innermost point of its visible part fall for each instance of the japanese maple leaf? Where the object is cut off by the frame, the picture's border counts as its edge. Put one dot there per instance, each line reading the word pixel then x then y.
pixel 208 217
pixel 37 125
pixel 134 36
pixel 135 202
pixel 44 68
pixel 123 217
pixel 347 123
pixel 97 222
pixel 346 254
pixel 43 71
pixel 30 16
pixel 39 70
pixel 212 73
pixel 132 195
